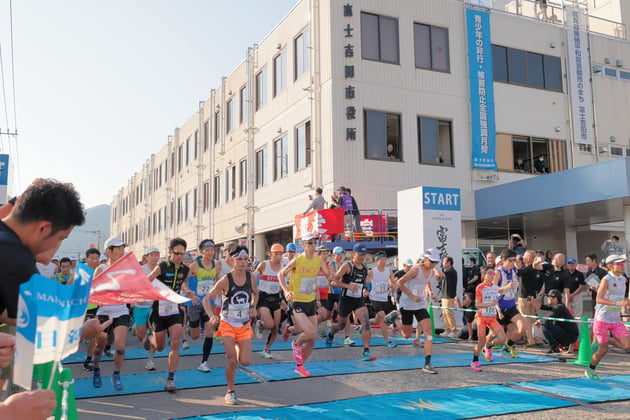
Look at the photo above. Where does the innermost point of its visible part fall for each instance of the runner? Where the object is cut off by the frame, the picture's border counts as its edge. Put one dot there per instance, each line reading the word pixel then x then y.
pixel 269 300
pixel 323 286
pixel 142 310
pixel 505 277
pixel 353 278
pixel 611 299
pixel 486 302
pixel 382 280
pixel 202 278
pixel 167 316
pixel 301 292
pixel 119 313
pixel 416 293
pixel 92 257
pixel 238 308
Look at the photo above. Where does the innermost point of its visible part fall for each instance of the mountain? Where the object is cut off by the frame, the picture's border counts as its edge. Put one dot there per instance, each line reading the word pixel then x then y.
pixel 94 231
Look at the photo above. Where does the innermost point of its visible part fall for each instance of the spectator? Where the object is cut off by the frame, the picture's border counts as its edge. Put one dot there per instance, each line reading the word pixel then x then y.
pixel 555 277
pixel 519 165
pixel 473 278
pixel 573 289
pixel 594 274
pixel 612 246
pixel 317 203
pixel 530 275
pixel 390 152
pixel 490 259
pixel 540 167
pixel 558 333
pixel 548 256
pixel 355 212
pixel 518 244
pixel 449 296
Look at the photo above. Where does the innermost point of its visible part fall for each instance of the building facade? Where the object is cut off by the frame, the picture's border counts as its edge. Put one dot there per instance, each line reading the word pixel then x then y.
pixel 377 96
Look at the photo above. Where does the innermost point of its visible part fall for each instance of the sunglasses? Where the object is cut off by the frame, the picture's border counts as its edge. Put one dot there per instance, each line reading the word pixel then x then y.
pixel 511 259
pixel 310 243
pixel 178 252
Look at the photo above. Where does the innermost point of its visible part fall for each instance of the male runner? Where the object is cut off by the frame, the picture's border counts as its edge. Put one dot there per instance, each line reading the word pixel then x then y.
pixel 142 310
pixel 382 280
pixel 269 299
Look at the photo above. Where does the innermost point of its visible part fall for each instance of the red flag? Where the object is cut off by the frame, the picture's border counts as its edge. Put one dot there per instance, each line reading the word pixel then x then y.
pixel 125 282
pixel 319 222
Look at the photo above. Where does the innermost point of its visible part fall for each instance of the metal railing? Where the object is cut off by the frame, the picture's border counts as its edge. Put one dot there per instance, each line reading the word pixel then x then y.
pixel 552 14
pixel 377 227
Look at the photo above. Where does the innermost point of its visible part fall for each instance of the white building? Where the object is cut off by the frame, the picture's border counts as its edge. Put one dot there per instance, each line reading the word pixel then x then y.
pixel 335 82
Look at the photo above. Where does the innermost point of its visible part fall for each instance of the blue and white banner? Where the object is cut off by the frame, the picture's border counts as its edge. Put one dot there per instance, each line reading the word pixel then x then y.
pixel 50 318
pixel 483 134
pixel 4 177
pixel 579 75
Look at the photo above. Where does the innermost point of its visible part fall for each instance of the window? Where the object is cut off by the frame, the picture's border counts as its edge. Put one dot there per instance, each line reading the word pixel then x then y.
pixel 244 104
pixel 217 126
pixel 188 151
pixel 230 122
pixel 261 88
pixel 261 167
pixel 206 196
pixel 435 142
pixel 196 145
pixel 382 135
pixel 180 210
pixel 303 146
pixel 280 72
pixel 616 151
pixel 242 180
pixel 187 206
pixel 523 154
pixel 608 72
pixel 302 53
pixel 281 158
pixel 180 157
pixel 431 47
pixel 217 191
pixel 206 135
pixel 195 198
pixel 154 230
pixel 230 183
pixel 585 148
pixel 510 65
pixel 624 74
pixel 379 38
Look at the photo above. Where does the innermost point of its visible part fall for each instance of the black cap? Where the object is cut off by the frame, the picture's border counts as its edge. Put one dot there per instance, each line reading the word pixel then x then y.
pixel 554 293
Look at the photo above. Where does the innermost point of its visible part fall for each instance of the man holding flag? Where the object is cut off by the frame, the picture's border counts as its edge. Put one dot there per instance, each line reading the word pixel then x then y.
pixel 119 314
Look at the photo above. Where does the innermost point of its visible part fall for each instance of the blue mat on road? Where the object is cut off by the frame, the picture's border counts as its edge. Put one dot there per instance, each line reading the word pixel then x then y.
pixel 284 371
pixel 194 350
pixel 155 381
pixel 611 388
pixel 438 404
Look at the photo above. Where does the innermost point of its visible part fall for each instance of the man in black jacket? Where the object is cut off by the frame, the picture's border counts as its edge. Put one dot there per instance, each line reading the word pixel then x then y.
pixel 558 333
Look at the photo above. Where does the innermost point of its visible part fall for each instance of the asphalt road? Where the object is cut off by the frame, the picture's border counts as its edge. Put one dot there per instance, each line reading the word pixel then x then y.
pixel 209 400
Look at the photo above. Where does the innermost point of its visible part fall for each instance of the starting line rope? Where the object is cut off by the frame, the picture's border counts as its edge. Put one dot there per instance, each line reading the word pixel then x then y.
pixel 577 321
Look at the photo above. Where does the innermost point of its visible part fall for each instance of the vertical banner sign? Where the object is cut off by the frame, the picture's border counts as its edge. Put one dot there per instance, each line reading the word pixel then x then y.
pixel 430 217
pixel 4 177
pixel 483 133
pixel 579 75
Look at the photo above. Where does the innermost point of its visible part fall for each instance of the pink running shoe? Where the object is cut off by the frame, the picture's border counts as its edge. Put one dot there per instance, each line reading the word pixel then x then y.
pixel 476 366
pixel 297 353
pixel 301 370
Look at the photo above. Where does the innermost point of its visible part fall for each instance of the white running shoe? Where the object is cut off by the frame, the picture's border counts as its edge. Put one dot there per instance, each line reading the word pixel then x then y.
pixel 185 345
pixel 266 354
pixel 204 367
pixel 149 365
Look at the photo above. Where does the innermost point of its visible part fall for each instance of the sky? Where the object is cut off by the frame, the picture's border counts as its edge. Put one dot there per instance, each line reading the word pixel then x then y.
pixel 100 85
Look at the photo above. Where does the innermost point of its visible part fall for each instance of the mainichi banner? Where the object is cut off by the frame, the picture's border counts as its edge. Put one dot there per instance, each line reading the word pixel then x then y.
pixel 482 124
pixel 430 217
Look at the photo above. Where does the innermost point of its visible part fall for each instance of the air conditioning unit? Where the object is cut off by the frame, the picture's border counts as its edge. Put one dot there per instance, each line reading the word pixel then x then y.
pixel 602 149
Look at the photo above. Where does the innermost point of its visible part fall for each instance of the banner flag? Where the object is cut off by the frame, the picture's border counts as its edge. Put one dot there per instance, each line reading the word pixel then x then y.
pixel 319 222
pixel 125 282
pixel 49 322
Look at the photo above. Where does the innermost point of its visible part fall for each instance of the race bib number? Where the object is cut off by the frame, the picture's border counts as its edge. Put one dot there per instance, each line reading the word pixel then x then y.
pixel 381 288
pixel 356 293
pixel 238 312
pixel 489 311
pixel 204 287
pixel 166 308
pixel 614 298
pixel 509 294
pixel 307 286
pixel 322 282
pixel 417 291
pixel 273 287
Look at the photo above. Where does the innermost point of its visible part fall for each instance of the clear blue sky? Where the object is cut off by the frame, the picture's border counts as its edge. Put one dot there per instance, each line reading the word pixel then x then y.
pixel 101 85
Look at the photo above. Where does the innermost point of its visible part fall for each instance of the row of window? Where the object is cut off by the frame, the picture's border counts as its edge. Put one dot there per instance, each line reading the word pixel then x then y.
pixel 615 73
pixel 524 68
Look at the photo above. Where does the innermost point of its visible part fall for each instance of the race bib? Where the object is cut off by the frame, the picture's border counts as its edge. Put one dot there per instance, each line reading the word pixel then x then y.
pixel 381 288
pixel 489 311
pixel 357 293
pixel 307 286
pixel 509 294
pixel 322 282
pixel 166 308
pixel 417 291
pixel 614 298
pixel 204 287
pixel 273 287
pixel 238 312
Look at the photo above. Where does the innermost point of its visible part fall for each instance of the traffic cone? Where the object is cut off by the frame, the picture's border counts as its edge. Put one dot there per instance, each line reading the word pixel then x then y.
pixel 64 389
pixel 584 350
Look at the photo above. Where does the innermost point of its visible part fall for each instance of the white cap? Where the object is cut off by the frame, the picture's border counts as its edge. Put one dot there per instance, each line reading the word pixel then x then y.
pixel 432 254
pixel 151 250
pixel 103 257
pixel 114 241
pixel 74 257
pixel 309 236
pixel 56 257
pixel 611 259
